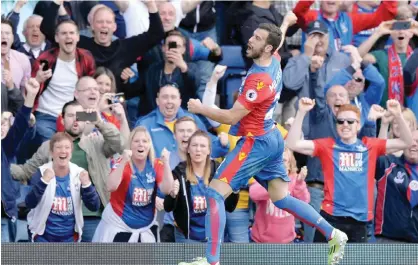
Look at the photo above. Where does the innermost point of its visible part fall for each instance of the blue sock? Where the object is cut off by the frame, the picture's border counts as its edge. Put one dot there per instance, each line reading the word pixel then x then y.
pixel 215 224
pixel 306 214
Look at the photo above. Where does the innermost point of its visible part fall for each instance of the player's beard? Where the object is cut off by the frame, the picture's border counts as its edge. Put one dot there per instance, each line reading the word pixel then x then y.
pixel 255 54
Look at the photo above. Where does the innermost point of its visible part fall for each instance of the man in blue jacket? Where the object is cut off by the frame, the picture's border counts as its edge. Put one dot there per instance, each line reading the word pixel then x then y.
pixel 354 78
pixel 10 188
pixel 396 218
pixel 160 122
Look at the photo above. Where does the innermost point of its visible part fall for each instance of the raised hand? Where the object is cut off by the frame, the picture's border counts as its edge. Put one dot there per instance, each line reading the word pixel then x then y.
pixel 8 79
pixel 290 19
pixel 316 63
pixel 394 107
pixel 306 104
pixel 84 178
pixel 376 112
pixel 212 45
pixel 175 189
pixel 385 27
pixel 194 105
pixel 32 87
pixel 218 72
pixel 223 138
pixel 42 76
pixel 310 44
pixel 165 156
pixel 354 54
pixel 159 203
pixel 48 175
pixel 302 174
pixel 126 155
pixel 126 74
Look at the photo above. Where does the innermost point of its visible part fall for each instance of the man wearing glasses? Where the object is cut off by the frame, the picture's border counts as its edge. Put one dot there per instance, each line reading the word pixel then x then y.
pixel 349 178
pixel 354 78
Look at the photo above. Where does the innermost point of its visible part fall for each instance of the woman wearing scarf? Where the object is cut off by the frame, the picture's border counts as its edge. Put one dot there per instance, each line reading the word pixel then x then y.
pixel 187 199
pixel 133 183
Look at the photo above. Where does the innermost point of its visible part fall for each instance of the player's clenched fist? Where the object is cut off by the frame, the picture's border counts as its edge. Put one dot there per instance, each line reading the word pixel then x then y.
pixel 194 105
pixel 306 104
pixel 394 107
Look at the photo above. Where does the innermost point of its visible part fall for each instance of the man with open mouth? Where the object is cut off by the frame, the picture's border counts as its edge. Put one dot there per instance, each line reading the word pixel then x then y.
pixel 389 61
pixel 341 24
pixel 15 65
pixel 35 43
pixel 115 55
pixel 58 70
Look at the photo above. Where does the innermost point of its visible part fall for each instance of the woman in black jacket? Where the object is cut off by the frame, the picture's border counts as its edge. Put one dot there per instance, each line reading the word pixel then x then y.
pixel 188 197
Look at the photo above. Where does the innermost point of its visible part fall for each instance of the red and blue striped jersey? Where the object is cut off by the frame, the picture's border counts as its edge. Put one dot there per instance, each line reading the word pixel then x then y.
pixel 349 175
pixel 134 200
pixel 259 93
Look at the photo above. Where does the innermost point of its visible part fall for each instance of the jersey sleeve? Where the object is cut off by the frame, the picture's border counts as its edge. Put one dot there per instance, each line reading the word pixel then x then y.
pixel 322 146
pixel 256 89
pixel 159 171
pixel 379 145
pixel 127 171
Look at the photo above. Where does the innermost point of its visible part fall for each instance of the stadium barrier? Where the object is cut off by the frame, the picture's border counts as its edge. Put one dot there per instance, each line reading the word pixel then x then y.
pixel 173 253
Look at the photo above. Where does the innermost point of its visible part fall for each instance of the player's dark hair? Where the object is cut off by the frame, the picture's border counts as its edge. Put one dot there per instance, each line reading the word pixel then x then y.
pixel 68 104
pixel 275 35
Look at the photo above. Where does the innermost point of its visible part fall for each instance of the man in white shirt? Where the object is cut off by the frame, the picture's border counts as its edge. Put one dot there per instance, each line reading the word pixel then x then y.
pixel 58 70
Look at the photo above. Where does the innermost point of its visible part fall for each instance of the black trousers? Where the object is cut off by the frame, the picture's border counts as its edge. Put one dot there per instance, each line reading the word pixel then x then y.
pixel 355 230
pixel 167 233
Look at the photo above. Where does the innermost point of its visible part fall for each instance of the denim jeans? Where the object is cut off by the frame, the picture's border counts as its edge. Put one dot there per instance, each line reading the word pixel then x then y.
pixel 132 111
pixel 317 196
pixel 236 228
pixel 180 238
pixel 90 225
pixel 8 230
pixel 205 68
pixel 46 126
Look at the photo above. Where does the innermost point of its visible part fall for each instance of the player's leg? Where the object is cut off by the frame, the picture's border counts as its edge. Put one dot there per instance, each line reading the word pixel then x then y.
pixel 274 178
pixel 246 160
pixel 278 191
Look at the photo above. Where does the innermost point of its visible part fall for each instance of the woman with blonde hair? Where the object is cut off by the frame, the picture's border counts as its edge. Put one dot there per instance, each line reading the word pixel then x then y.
pixel 271 224
pixel 389 121
pixel 133 183
pixel 187 199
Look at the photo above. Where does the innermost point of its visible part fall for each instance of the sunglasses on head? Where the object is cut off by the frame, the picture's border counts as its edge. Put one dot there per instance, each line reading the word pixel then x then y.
pixel 349 121
pixel 358 79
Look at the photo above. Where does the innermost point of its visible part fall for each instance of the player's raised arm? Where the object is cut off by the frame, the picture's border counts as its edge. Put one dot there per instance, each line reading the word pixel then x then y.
pixel 294 138
pixel 225 116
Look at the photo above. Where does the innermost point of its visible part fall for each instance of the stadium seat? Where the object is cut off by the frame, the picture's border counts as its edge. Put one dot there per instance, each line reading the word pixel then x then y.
pixel 234 74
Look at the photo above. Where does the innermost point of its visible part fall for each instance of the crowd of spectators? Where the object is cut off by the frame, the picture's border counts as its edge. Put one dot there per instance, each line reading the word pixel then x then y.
pixel 98 145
